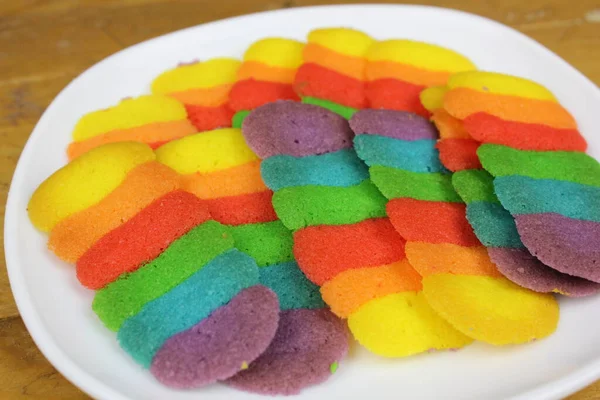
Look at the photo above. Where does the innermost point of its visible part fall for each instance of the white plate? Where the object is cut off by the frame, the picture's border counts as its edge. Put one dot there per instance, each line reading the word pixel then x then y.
pixel 56 309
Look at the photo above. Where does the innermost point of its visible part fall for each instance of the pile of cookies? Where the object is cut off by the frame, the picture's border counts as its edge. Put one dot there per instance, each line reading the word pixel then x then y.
pixel 245 219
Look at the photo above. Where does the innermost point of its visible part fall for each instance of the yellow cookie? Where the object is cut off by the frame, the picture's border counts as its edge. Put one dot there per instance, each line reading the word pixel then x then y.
pixel 201 75
pixel 403 324
pixel 345 41
pixel 433 98
pixel 276 52
pixel 492 310
pixel 129 113
pixel 220 149
pixel 84 182
pixel 495 83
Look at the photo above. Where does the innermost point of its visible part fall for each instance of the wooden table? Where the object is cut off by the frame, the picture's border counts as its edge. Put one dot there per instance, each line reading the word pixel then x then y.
pixel 46 43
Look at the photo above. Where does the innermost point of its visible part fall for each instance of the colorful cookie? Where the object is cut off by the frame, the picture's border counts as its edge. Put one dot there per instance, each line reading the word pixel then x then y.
pixel 168 278
pixel 150 119
pixel 215 255
pixel 332 74
pixel 545 166
pixel 496 229
pixel 493 225
pixel 203 88
pixel 266 75
pixel 222 170
pixel 398 70
pixel 500 109
pixel 342 240
pixel 459 281
pixel 554 197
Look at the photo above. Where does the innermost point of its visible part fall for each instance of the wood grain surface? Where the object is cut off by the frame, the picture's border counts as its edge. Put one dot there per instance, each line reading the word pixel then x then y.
pixel 46 43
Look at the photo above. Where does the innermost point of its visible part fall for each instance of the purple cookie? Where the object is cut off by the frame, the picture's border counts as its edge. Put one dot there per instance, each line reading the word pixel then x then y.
pixel 295 129
pixel 395 124
pixel 306 349
pixel 566 244
pixel 222 344
pixel 519 266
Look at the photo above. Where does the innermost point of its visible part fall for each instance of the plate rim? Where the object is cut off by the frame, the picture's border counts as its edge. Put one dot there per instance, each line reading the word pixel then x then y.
pixel 555 389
